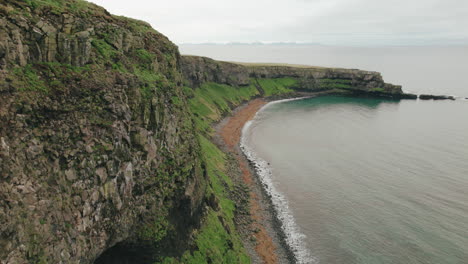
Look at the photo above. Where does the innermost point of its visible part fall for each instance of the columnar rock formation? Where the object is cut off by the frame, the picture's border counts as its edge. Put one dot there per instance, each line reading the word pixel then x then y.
pixel 97 144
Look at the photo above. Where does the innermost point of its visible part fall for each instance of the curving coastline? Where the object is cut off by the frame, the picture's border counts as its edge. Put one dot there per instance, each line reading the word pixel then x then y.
pixel 292 235
pixel 278 239
pixel 106 152
pixel 259 237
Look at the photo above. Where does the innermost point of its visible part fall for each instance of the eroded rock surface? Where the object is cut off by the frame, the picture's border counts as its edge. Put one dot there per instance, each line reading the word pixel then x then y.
pixel 435 97
pixel 94 151
pixel 199 70
pixel 98 151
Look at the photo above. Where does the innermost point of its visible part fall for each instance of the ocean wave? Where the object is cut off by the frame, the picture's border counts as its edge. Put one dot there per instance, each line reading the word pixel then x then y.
pixel 293 236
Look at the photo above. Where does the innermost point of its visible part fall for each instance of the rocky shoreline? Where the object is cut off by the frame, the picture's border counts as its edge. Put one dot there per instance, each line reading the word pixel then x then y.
pixel 263 238
pixel 262 211
pixel 435 97
pixel 104 150
pixel 266 242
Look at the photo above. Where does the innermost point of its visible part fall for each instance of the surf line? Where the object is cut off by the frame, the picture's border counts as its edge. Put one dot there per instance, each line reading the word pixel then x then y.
pixel 295 239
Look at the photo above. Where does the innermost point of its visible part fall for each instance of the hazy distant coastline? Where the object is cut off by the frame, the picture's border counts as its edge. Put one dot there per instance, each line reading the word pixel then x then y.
pixel 419 69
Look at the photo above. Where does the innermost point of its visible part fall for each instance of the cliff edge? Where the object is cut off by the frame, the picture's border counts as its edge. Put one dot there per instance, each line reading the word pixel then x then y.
pixel 105 151
pixel 199 70
pixel 97 148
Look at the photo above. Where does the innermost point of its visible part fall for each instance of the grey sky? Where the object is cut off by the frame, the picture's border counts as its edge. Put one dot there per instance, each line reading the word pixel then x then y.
pixel 335 22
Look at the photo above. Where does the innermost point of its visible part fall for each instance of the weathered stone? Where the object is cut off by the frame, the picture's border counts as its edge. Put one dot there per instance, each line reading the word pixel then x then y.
pixel 199 70
pixel 435 97
pixel 4 148
pixel 87 209
pixel 95 197
pixel 70 174
pixel 76 200
pixel 34 150
pixel 102 173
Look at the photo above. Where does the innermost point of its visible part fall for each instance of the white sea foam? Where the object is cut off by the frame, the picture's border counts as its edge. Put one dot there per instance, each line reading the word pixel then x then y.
pixel 294 237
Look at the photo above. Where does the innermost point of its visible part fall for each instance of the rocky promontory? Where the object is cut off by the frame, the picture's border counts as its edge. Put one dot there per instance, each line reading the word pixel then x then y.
pixel 198 70
pixel 435 97
pixel 105 151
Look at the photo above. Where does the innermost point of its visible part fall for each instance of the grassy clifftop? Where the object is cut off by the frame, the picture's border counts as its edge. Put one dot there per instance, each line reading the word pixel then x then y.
pixel 98 155
pixel 105 156
pixel 105 138
pixel 199 70
pixel 217 240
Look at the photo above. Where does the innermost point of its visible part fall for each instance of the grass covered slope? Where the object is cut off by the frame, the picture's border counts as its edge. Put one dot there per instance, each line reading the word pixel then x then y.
pixel 105 139
pixel 200 70
pixel 107 148
pixel 217 240
pixel 211 101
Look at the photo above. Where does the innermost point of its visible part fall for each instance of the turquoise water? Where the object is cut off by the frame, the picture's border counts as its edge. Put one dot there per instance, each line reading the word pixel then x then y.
pixel 369 180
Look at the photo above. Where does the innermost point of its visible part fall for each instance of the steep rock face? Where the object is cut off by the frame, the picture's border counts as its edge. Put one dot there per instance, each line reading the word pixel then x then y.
pixel 358 79
pixel 96 143
pixel 24 41
pixel 99 161
pixel 199 70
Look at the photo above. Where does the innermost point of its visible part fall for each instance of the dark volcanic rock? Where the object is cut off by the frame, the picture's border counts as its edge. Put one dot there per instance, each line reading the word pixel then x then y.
pixel 384 95
pixel 408 96
pixel 98 151
pixel 94 150
pixel 435 97
pixel 198 70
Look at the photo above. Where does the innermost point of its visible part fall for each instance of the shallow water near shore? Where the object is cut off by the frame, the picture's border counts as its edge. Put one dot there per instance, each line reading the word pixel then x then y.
pixel 363 180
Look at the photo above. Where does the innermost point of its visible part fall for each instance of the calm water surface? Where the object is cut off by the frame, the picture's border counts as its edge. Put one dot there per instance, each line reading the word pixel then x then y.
pixel 366 180
pixel 434 70
pixel 371 181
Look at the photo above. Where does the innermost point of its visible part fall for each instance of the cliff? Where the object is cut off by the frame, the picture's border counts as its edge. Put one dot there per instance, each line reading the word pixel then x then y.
pixel 105 154
pixel 199 70
pixel 96 141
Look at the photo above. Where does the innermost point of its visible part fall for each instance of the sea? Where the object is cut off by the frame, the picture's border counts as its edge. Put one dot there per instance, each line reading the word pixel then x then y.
pixel 362 180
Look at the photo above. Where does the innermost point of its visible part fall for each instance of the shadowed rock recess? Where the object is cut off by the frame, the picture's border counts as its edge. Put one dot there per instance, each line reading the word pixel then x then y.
pixel 100 157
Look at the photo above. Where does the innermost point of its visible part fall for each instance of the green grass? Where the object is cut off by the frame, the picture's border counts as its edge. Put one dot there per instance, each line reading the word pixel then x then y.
pixel 42 77
pixel 45 77
pixel 104 49
pixel 141 68
pixel 58 6
pixel 28 80
pixel 156 230
pixel 217 241
pixel 334 84
pixel 216 245
pixel 146 58
pixel 212 100
pixel 277 86
pixel 137 25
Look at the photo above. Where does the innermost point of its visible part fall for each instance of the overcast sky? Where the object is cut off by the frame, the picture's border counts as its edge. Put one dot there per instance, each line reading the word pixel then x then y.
pixel 332 22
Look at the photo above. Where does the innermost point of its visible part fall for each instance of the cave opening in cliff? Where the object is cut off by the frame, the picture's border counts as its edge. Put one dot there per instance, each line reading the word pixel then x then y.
pixel 126 253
